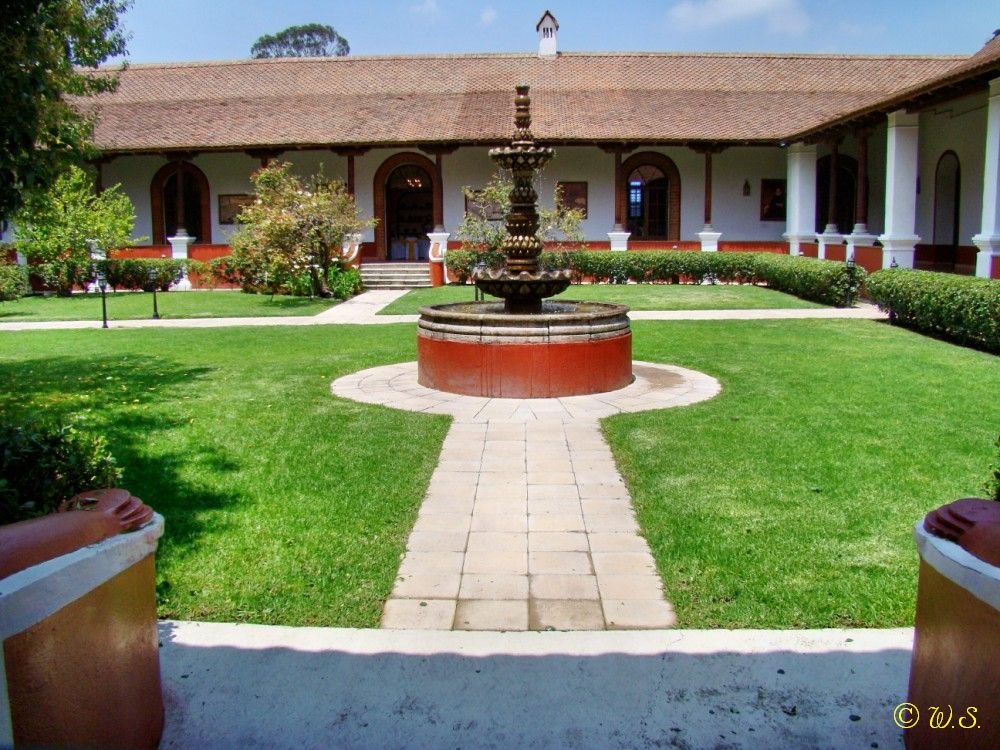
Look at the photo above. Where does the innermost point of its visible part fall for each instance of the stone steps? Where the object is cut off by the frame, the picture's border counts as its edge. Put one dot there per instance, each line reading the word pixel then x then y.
pixel 395 275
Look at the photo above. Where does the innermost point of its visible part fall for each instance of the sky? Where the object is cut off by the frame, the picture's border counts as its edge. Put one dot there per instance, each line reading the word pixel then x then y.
pixel 191 30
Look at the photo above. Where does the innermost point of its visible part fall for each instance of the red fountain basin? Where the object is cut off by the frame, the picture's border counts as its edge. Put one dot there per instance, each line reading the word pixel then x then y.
pixel 569 349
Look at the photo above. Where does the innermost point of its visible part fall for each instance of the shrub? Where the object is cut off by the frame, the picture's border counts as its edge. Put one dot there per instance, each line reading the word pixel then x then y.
pixel 13 281
pixel 133 273
pixel 821 281
pixel 964 309
pixel 344 282
pixel 42 466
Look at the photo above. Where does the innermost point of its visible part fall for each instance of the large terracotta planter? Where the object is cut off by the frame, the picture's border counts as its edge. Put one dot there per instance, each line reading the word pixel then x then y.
pixel 79 666
pixel 955 674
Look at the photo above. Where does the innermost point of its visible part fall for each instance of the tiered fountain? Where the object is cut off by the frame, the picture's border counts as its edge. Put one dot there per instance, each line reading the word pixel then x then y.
pixel 526 346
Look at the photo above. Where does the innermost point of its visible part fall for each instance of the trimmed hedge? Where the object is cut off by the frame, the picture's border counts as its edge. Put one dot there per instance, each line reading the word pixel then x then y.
pixel 963 309
pixel 133 273
pixel 826 282
pixel 13 281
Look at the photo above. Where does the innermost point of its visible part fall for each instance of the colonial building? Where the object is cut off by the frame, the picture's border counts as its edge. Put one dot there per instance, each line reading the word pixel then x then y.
pixel 887 159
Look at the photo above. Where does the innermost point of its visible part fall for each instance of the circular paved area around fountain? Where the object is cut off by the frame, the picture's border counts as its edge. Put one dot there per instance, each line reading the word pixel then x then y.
pixel 527 524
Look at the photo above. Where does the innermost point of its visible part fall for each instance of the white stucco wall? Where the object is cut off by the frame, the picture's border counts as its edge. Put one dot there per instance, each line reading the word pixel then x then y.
pixel 958 126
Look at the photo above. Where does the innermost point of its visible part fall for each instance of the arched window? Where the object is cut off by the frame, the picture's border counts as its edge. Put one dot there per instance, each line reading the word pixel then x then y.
pixel 650 197
pixel 195 211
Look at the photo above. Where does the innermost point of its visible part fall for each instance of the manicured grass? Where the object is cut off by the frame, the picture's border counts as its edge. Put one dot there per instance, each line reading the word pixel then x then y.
pixel 789 500
pixel 636 296
pixel 283 504
pixel 136 305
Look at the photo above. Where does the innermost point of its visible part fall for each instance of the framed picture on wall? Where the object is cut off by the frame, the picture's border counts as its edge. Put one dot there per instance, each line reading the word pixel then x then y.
pixel 574 195
pixel 475 205
pixel 231 205
pixel 772 200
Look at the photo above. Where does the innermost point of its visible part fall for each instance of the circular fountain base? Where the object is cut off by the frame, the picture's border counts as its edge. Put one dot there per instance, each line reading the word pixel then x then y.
pixel 569 349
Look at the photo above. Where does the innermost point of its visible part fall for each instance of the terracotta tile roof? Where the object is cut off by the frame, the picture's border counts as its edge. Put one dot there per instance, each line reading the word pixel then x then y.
pixel 955 80
pixel 469 98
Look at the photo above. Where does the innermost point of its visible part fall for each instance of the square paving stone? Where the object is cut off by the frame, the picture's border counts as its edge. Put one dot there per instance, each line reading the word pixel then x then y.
pixel 426 586
pixel 606 507
pixel 630 587
pixel 514 562
pixel 493 586
pixel 551 477
pixel 616 542
pixel 566 615
pixel 623 563
pixel 413 614
pixel 497 541
pixel 555 586
pixel 646 613
pixel 476 614
pixel 500 522
pixel 444 541
pixel 569 563
pixel 432 561
pixel 555 522
pixel 554 506
pixel 614 522
pixel 557 541
pixel 512 505
pixel 552 492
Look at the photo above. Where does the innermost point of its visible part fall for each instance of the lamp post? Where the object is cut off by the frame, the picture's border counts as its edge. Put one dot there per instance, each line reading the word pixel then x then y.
pixel 152 275
pixel 102 284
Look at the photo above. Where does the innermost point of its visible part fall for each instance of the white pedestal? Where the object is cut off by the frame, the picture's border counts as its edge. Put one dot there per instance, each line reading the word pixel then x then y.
pixel 179 244
pixel 829 237
pixel 860 237
pixel 795 242
pixel 989 248
pixel 709 240
pixel 619 240
pixel 899 249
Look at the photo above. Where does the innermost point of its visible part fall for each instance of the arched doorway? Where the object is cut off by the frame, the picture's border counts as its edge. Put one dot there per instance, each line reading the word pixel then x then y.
pixel 407 206
pixel 847 177
pixel 196 213
pixel 650 197
pixel 947 198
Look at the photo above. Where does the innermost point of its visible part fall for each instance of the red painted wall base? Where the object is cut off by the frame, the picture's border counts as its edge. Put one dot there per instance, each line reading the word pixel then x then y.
pixel 543 370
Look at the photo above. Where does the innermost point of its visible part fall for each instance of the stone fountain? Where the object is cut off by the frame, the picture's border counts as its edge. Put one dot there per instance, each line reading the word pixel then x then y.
pixel 526 346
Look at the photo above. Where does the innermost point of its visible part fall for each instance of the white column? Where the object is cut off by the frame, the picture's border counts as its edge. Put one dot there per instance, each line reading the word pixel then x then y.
pixel 901 163
pixel 801 201
pixel 179 249
pixel 619 240
pixel 988 239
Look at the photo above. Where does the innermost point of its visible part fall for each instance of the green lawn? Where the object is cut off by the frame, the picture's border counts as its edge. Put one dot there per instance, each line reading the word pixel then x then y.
pixel 636 296
pixel 136 305
pixel 787 501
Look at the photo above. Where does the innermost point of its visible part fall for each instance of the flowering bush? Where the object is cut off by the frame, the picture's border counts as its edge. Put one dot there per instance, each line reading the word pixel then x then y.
pixel 290 238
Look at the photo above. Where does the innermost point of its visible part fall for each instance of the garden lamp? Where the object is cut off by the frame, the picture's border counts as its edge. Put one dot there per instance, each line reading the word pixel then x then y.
pixel 102 284
pixel 152 275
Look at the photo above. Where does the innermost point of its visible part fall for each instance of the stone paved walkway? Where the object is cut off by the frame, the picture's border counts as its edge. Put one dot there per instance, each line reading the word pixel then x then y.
pixel 527 524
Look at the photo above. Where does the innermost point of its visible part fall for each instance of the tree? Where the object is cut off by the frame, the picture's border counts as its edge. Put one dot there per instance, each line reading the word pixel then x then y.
pixel 310 40
pixel 45 44
pixel 294 230
pixel 56 228
pixel 481 232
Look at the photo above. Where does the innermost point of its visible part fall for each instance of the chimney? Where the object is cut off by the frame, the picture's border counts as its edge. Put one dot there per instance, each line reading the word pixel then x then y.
pixel 547 27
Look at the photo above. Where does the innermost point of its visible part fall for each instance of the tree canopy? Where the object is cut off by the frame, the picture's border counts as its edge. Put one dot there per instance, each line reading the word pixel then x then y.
pixel 45 44
pixel 310 40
